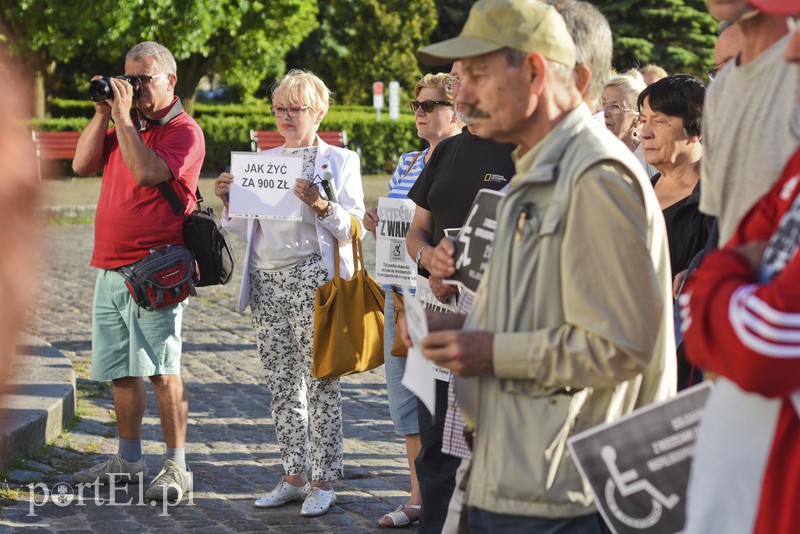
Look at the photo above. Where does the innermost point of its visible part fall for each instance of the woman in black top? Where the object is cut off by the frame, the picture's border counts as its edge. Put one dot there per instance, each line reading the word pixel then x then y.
pixel 670 111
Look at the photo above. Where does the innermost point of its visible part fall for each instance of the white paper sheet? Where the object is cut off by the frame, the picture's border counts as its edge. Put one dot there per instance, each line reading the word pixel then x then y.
pixel 419 374
pixel 262 186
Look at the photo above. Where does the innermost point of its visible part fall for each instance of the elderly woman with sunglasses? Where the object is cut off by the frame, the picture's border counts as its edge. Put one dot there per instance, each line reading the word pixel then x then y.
pixel 284 263
pixel 436 120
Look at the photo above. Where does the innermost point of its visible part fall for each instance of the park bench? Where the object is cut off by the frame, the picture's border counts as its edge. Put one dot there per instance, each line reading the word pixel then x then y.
pixel 264 139
pixel 52 146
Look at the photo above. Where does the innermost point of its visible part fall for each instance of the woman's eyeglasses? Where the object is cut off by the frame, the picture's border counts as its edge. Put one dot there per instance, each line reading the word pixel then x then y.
pixel 292 111
pixel 428 105
pixel 616 109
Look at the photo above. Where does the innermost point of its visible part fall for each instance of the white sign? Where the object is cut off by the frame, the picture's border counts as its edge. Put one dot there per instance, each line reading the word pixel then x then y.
pixel 419 374
pixel 638 467
pixel 394 100
pixel 393 265
pixel 262 186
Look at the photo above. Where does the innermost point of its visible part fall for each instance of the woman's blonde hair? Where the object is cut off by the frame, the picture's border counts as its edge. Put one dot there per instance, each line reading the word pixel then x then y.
pixel 441 81
pixel 631 83
pixel 304 88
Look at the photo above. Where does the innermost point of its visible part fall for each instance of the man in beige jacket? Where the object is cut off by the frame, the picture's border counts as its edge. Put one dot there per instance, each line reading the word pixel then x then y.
pixel 572 324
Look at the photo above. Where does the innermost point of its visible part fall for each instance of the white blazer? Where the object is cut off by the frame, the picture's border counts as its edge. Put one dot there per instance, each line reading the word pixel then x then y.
pixel 346 169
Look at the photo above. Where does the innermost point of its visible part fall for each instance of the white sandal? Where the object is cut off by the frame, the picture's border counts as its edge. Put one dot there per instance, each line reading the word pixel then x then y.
pixel 399 517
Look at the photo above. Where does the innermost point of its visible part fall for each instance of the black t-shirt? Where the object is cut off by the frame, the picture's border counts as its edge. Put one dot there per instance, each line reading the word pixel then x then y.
pixel 460 166
pixel 687 229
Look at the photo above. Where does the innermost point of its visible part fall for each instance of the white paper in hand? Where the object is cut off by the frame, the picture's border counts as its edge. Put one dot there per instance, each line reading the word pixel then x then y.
pixel 419 374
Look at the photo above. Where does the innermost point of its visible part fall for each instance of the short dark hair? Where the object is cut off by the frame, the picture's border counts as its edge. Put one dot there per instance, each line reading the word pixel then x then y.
pixel 679 95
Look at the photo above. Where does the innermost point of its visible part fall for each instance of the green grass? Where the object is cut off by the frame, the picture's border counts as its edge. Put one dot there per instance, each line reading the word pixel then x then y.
pixel 9 495
pixel 375 185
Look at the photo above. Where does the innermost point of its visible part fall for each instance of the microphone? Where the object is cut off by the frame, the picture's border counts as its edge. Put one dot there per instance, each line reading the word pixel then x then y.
pixel 327 177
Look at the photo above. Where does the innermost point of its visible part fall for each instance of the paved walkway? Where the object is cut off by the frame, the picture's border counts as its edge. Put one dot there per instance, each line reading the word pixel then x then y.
pixel 232 446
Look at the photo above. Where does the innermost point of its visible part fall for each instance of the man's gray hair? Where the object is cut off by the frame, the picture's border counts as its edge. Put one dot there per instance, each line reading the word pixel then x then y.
pixel 562 74
pixel 160 53
pixel 594 44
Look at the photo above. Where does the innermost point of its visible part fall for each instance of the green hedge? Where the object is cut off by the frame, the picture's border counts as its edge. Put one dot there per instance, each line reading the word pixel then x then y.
pixel 227 128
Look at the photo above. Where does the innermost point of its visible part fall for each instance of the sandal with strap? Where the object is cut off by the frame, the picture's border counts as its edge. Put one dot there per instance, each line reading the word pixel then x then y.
pixel 403 515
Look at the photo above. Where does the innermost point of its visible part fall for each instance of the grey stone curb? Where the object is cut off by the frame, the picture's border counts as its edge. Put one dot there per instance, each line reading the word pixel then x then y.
pixel 40 399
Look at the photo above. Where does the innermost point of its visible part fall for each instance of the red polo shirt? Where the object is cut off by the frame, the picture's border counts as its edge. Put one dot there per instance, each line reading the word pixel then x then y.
pixel 131 219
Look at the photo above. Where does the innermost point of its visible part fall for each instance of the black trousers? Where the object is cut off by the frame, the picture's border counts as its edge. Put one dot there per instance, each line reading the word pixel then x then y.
pixel 436 471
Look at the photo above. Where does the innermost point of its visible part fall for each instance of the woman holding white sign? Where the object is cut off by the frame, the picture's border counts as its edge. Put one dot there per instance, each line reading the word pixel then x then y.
pixel 436 120
pixel 284 263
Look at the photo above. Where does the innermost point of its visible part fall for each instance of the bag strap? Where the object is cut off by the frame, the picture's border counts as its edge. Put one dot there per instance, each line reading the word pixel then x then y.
pixel 358 253
pixel 174 201
pixel 410 165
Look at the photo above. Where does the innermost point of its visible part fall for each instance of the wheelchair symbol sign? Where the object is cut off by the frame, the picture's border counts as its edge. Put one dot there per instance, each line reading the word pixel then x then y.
pixel 628 483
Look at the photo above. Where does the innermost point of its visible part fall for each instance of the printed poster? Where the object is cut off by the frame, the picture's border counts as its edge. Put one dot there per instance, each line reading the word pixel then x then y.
pixel 262 186
pixel 474 246
pixel 393 265
pixel 638 466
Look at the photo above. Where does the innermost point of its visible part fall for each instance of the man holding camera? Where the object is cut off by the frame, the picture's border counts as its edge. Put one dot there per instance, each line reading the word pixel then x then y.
pixel 153 141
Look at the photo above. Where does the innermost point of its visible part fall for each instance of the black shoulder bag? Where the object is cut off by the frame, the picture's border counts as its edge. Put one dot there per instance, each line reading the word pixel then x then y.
pixel 204 237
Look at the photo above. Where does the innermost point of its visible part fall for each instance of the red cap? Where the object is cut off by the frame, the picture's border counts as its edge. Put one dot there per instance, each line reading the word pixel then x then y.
pixel 777 7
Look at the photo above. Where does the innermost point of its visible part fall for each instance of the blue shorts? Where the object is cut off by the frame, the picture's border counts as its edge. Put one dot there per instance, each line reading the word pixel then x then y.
pixel 402 403
pixel 128 340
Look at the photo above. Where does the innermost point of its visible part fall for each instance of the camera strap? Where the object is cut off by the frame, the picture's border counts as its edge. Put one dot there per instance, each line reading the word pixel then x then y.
pixel 176 109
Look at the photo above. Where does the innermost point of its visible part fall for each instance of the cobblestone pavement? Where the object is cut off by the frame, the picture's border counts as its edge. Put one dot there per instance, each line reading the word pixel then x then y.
pixel 232 447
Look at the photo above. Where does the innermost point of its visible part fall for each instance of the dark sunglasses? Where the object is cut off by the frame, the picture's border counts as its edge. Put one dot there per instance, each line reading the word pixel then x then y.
pixel 428 105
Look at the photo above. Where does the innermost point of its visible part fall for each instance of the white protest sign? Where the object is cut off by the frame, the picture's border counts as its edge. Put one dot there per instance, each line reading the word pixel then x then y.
pixel 262 186
pixel 419 374
pixel 638 467
pixel 393 265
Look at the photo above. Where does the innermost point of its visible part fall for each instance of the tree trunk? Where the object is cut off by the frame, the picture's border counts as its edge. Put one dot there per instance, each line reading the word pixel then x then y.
pixel 190 72
pixel 39 94
pixel 188 104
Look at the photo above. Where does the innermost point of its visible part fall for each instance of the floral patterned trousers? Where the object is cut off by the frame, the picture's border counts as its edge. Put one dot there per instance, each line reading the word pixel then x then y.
pixel 307 412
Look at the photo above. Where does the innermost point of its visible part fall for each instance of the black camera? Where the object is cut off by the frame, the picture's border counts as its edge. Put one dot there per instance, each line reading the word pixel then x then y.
pixel 100 90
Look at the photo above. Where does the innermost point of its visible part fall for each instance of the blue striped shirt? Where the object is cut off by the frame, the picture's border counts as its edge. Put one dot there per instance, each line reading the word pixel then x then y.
pixel 403 178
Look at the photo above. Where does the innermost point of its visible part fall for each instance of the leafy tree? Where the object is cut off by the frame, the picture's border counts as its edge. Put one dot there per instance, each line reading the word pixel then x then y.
pixel 452 16
pixel 43 33
pixel 243 41
pixel 678 35
pixel 363 41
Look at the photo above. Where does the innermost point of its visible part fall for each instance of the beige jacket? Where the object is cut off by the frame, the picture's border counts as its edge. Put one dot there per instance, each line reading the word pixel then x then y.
pixel 578 293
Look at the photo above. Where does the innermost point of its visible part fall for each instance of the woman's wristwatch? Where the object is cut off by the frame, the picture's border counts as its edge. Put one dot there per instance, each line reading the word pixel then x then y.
pixel 328 211
pixel 419 256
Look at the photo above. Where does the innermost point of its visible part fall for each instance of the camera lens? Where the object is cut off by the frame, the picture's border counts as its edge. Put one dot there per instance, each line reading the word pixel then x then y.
pixel 100 90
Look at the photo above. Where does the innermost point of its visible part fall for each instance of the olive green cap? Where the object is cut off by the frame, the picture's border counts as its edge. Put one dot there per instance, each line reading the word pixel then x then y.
pixel 526 25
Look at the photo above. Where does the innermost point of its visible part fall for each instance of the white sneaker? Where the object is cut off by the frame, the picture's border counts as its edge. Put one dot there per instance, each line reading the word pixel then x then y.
pixel 282 494
pixel 172 483
pixel 118 468
pixel 318 502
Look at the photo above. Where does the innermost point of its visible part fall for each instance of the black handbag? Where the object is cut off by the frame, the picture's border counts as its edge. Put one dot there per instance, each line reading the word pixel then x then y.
pixel 205 238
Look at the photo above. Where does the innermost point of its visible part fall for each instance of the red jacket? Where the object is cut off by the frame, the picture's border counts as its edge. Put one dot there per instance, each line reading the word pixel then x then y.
pixel 749 332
